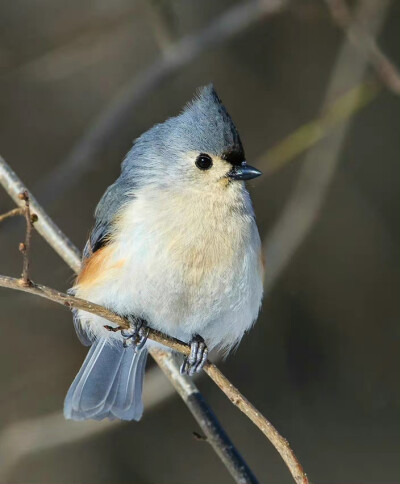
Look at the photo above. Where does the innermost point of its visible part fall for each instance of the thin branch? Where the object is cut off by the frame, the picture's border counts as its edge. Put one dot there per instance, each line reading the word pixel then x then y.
pixel 281 444
pixel 258 419
pixel 114 116
pixel 232 393
pixel 25 247
pixel 77 303
pixel 12 213
pixel 365 43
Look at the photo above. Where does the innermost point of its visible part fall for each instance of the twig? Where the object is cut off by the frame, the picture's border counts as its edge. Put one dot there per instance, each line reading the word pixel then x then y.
pixel 44 225
pixel 365 43
pixel 25 247
pixel 12 213
pixel 281 444
pixel 233 394
pixel 109 121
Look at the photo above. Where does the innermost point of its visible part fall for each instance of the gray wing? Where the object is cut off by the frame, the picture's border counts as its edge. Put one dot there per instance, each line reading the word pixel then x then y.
pixel 110 204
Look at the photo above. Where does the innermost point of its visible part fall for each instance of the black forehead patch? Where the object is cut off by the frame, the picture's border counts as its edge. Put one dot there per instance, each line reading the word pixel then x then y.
pixel 234 157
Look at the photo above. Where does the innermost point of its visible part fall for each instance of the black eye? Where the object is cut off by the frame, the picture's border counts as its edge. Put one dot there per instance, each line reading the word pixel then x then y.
pixel 204 162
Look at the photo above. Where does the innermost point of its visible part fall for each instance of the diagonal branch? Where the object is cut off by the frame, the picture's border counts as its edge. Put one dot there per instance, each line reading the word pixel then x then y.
pixel 73 302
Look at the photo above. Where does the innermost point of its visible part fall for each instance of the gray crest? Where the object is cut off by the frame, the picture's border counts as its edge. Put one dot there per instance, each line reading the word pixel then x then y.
pixel 206 126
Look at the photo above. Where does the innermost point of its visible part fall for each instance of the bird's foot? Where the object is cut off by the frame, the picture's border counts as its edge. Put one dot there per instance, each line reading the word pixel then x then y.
pixel 137 333
pixel 197 358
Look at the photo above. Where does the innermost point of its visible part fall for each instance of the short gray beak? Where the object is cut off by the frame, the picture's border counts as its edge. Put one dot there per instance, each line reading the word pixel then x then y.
pixel 244 172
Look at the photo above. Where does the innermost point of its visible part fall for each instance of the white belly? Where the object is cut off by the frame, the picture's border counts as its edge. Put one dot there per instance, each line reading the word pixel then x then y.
pixel 182 282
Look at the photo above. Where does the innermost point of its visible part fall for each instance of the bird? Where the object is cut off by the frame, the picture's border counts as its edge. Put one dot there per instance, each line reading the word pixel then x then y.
pixel 175 247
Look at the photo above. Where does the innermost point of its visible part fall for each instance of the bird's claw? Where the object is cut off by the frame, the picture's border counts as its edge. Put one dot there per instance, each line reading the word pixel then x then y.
pixel 137 333
pixel 197 358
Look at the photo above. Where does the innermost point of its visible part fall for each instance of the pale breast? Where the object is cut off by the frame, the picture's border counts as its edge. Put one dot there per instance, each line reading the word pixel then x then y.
pixel 197 234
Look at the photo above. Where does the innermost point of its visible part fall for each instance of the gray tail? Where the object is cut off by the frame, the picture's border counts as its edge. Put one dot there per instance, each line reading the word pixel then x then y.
pixel 109 384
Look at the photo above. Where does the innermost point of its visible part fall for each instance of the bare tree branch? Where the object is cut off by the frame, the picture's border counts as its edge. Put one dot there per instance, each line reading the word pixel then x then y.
pixel 77 303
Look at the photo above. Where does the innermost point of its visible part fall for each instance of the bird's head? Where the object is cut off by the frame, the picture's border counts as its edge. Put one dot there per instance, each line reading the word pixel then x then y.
pixel 199 149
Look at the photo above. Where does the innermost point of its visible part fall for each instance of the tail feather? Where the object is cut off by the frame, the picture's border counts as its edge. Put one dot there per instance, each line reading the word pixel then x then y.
pixel 129 390
pixel 109 384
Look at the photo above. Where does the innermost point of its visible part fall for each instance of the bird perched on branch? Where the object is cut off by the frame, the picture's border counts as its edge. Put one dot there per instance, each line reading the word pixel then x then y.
pixel 175 246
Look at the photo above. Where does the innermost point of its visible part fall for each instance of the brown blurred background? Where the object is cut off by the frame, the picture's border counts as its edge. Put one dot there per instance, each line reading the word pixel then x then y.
pixel 322 361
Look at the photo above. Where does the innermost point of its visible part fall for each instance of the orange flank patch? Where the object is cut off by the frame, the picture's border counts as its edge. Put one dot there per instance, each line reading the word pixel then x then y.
pixel 262 261
pixel 98 267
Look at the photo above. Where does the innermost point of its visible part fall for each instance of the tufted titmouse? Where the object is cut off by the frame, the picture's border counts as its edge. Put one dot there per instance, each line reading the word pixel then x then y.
pixel 175 245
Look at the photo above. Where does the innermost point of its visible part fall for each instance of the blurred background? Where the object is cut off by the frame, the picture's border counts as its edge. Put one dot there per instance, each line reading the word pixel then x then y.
pixel 316 102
